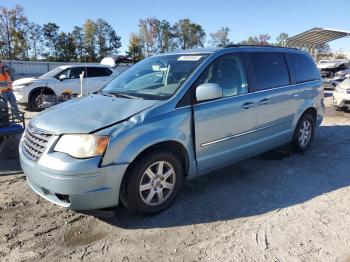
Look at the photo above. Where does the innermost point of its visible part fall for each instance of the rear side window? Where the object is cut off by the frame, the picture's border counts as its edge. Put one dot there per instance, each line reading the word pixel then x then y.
pixel 270 70
pixel 304 68
pixel 98 71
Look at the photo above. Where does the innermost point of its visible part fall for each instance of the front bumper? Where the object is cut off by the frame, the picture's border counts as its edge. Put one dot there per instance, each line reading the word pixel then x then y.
pixel 82 186
pixel 21 96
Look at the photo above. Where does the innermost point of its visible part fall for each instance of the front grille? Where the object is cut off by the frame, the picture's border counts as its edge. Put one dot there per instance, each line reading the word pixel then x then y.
pixel 34 142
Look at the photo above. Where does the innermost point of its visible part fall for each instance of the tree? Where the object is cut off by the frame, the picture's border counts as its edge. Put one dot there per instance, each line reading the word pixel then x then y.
pixel 65 47
pixel 35 37
pixel 107 39
pixel 323 52
pixel 114 42
pixel 90 40
pixel 165 37
pixel 262 39
pixel 220 37
pixel 281 38
pixel 250 41
pixel 12 32
pixel 50 32
pixel 149 31
pixel 188 34
pixel 78 37
pixel 135 48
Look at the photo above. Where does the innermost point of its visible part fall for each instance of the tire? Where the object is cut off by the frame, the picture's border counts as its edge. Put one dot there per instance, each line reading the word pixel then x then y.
pixel 10 147
pixel 144 186
pixel 34 101
pixel 304 133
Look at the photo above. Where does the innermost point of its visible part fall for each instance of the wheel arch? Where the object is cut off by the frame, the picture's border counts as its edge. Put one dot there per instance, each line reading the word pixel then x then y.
pixel 312 111
pixel 46 90
pixel 171 145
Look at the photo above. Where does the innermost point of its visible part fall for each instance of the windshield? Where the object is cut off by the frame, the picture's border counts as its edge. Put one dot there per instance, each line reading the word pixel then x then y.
pixel 52 73
pixel 156 77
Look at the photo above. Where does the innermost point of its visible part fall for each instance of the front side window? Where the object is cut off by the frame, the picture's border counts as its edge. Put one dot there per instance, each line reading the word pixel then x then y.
pixel 156 77
pixel 270 70
pixel 228 72
pixel 71 73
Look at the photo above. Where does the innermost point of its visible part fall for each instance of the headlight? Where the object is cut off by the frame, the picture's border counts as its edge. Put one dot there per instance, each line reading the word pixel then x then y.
pixel 348 91
pixel 82 146
pixel 338 89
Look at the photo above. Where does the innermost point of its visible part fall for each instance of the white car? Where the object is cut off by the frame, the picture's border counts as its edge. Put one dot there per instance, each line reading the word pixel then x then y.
pixel 61 80
pixel 341 95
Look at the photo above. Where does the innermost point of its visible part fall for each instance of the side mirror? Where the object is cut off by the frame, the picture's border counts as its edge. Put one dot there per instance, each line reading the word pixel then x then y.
pixel 62 77
pixel 208 91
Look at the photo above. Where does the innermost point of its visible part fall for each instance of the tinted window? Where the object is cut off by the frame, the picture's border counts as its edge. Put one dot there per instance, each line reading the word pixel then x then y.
pixel 98 71
pixel 304 68
pixel 71 73
pixel 270 70
pixel 228 72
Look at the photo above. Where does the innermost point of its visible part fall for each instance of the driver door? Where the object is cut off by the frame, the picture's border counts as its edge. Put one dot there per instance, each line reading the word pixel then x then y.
pixel 223 127
pixel 71 83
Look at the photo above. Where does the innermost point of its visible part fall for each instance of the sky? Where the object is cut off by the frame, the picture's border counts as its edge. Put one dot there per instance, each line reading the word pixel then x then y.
pixel 244 17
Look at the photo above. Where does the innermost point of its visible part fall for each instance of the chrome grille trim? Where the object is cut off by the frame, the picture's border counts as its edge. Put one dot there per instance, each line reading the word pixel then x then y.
pixel 34 142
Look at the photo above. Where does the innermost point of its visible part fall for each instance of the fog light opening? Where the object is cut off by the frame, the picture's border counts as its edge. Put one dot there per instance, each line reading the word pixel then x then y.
pixel 63 198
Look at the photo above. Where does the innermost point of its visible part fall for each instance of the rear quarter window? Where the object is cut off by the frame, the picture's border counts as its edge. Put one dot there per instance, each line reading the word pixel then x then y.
pixel 304 68
pixel 98 71
pixel 270 70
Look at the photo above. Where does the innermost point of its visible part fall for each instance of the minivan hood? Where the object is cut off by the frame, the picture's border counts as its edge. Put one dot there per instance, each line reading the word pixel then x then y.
pixel 87 114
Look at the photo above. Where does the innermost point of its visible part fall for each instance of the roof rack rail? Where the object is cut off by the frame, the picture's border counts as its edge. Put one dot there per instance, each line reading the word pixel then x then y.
pixel 275 46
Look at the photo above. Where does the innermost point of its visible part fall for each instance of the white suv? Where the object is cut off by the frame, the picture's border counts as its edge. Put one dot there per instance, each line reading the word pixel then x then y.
pixel 62 79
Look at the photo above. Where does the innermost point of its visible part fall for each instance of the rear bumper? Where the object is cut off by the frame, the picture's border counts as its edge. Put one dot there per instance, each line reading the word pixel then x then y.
pixel 79 189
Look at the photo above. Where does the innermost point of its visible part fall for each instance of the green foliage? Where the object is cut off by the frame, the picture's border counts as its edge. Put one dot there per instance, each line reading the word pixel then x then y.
pixel 13 36
pixel 22 39
pixel 280 38
pixel 135 48
pixel 220 37
pixel 189 35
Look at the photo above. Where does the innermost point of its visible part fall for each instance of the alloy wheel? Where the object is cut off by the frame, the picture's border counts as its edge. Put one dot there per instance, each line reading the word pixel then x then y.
pixel 157 183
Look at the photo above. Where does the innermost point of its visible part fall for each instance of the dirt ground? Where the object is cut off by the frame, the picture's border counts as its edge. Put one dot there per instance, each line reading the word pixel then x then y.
pixel 279 206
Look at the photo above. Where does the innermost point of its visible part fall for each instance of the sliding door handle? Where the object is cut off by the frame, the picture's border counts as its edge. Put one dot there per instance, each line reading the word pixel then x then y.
pixel 247 105
pixel 264 101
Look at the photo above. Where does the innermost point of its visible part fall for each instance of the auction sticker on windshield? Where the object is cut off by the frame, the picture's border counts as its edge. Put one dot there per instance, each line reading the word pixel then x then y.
pixel 189 58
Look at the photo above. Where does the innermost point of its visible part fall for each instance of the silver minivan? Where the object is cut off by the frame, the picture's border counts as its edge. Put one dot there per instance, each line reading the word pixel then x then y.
pixel 168 118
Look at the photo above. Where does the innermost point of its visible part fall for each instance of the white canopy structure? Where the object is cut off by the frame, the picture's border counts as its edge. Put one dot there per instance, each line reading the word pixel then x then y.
pixel 314 37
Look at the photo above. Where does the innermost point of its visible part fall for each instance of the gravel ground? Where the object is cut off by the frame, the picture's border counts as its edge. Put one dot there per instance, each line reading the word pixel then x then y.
pixel 279 206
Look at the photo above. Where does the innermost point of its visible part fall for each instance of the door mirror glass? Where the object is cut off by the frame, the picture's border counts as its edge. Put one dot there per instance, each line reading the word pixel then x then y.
pixel 208 91
pixel 62 77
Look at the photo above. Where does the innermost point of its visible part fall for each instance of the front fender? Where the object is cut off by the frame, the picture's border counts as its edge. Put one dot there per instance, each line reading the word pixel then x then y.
pixel 174 126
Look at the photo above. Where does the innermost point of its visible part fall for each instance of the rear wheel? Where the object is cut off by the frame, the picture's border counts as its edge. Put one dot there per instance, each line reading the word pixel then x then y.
pixel 304 133
pixel 153 182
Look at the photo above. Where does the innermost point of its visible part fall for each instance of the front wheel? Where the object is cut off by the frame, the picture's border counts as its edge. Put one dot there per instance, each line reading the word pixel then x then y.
pixel 304 133
pixel 153 182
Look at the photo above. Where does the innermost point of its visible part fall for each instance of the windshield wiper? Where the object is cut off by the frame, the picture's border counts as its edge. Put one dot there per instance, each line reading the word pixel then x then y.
pixel 118 94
